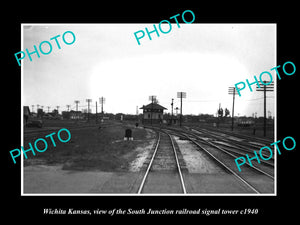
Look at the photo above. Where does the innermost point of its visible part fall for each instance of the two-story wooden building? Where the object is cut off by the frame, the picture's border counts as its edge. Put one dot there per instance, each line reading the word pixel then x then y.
pixel 153 113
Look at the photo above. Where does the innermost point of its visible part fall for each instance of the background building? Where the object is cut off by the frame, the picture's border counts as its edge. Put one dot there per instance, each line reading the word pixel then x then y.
pixel 153 113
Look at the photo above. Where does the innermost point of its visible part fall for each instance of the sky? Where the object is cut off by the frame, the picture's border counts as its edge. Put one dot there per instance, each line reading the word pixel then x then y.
pixel 202 60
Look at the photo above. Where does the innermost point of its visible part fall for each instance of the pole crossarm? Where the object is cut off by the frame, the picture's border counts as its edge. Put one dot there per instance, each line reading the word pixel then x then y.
pixel 264 87
pixel 232 91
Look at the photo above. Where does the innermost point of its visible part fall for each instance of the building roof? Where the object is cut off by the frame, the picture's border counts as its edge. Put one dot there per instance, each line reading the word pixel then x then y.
pixel 153 106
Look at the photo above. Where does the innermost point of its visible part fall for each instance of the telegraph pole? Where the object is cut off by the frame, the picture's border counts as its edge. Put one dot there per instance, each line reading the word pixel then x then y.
pixel 232 91
pixel 96 113
pixel 181 95
pixel 102 101
pixel 88 101
pixel 76 102
pixel 172 111
pixel 269 87
pixel 137 114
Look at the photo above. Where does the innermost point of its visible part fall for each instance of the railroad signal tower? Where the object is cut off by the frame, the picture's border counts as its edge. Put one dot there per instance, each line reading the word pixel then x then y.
pixel 232 91
pixel 269 87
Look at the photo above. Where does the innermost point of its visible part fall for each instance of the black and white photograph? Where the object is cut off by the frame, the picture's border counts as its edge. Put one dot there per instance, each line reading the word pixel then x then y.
pixel 144 111
pixel 159 116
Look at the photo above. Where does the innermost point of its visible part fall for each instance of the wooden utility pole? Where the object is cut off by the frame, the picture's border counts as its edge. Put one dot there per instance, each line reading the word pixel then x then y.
pixel 232 91
pixel 102 101
pixel 88 101
pixel 172 111
pixel 76 101
pixel 96 113
pixel 269 87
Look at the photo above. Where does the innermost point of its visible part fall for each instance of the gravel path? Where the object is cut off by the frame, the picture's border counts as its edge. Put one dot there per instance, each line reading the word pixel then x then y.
pixel 197 161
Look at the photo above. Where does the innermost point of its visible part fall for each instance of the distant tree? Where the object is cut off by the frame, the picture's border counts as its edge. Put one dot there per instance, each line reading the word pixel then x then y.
pixel 220 112
pixel 227 113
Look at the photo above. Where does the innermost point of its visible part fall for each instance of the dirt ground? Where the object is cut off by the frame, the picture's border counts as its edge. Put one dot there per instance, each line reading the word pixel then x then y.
pixel 95 160
pixel 53 179
pixel 92 148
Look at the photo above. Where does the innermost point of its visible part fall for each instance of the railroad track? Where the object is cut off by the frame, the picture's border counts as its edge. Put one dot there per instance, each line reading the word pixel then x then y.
pixel 225 158
pixel 250 140
pixel 239 148
pixel 164 173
